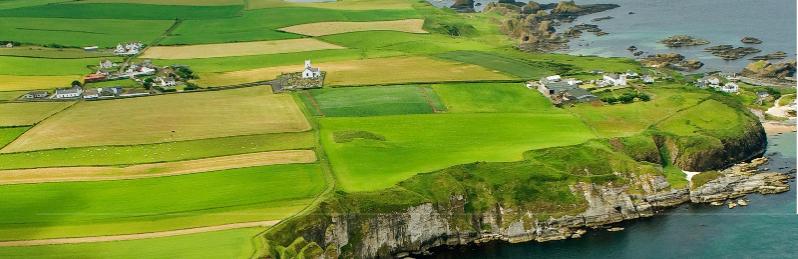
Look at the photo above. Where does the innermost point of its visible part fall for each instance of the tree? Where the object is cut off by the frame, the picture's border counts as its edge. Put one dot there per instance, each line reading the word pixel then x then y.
pixel 643 97
pixel 626 98
pixel 191 86
pixel 148 83
pixel 609 100
pixel 76 83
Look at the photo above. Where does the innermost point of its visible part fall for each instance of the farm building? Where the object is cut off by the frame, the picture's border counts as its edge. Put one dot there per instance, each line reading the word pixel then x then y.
pixel 128 49
pixel 562 92
pixel 615 79
pixel 106 63
pixel 66 93
pixel 708 81
pixel 647 79
pixel 91 48
pixel 35 95
pixel 96 77
pixel 91 94
pixel 729 88
pixel 310 71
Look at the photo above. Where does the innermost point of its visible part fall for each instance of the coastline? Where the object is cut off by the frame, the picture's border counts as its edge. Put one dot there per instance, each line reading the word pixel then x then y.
pixel 774 127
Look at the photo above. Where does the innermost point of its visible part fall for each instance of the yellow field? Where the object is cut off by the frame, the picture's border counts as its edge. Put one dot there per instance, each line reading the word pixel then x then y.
pixel 237 49
pixel 367 72
pixel 339 5
pixel 103 173
pixel 12 82
pixel 19 114
pixel 174 117
pixel 170 2
pixel 328 28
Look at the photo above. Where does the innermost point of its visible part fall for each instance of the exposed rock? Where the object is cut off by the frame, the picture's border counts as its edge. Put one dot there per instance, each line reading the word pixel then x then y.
pixel 771 56
pixel 728 52
pixel 750 40
pixel 742 202
pixel 767 70
pixel 671 60
pixel 732 205
pixel 631 48
pixel 716 203
pixel 677 41
pixel 601 18
pixel 616 229
pixel 738 181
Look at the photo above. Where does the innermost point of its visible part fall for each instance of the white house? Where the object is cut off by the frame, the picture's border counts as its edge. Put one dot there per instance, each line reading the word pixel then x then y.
pixel 310 71
pixel 91 94
pixel 730 88
pixel 106 64
pixel 615 79
pixel 165 81
pixel 554 78
pixel 35 95
pixel 73 92
pixel 126 49
pixel 91 48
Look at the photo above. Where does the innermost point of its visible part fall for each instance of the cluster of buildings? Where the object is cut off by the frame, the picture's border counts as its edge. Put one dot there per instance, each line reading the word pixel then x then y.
pixel 77 92
pixel 108 70
pixel 567 90
pixel 562 91
pixel 724 82
pixel 128 49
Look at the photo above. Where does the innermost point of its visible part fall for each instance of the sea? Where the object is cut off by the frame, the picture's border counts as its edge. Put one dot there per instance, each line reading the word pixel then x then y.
pixel 718 21
pixel 768 227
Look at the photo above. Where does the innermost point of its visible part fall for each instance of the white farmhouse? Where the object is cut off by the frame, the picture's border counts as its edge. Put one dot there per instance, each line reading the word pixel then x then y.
pixel 730 88
pixel 615 79
pixel 63 93
pixel 310 71
pixel 165 81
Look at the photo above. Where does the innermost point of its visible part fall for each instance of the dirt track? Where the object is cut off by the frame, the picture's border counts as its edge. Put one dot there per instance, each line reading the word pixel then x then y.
pixel 77 240
pixel 106 173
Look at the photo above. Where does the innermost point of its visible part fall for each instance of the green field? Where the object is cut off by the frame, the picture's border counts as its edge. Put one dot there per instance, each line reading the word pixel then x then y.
pixel 21 114
pixel 236 243
pixel 411 43
pixel 156 204
pixel 372 101
pixel 56 53
pixel 516 67
pixel 262 24
pixel 421 143
pixel 123 11
pixel 19 66
pixel 105 33
pixel 161 152
pixel 707 117
pixel 8 134
pixel 491 97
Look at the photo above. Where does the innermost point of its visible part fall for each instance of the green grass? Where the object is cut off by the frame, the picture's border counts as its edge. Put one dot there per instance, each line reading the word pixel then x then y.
pixel 123 11
pixel 411 43
pixel 41 52
pixel 423 143
pixel 20 66
pixel 517 67
pixel 629 119
pixel 711 117
pixel 491 97
pixel 263 24
pixel 675 177
pixel 372 101
pixel 787 99
pixel 236 243
pixel 28 113
pixel 11 95
pixel 8 134
pixel 161 152
pixel 35 211
pixel 105 33
pixel 9 4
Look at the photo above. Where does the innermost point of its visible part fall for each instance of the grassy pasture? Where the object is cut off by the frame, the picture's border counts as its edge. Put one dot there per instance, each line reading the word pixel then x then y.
pixel 709 116
pixel 126 11
pixel 28 113
pixel 415 43
pixel 516 67
pixel 10 4
pixel 80 32
pixel 328 28
pixel 392 70
pixel 628 119
pixel 10 95
pixel 372 101
pixel 161 152
pixel 228 64
pixel 422 143
pixel 236 243
pixel 100 173
pixel 47 210
pixel 19 66
pixel 42 52
pixel 340 5
pixel 263 24
pixel 491 97
pixel 168 2
pixel 237 49
pixel 8 134
pixel 21 83
pixel 166 118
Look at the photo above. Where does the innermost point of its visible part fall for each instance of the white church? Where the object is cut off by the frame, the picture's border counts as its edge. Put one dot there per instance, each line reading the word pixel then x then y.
pixel 310 71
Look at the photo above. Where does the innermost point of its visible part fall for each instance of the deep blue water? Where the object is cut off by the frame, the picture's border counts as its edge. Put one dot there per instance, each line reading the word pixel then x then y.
pixel 767 228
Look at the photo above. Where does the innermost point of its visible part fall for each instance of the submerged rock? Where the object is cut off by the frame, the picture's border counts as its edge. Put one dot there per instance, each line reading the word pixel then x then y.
pixel 677 41
pixel 750 40
pixel 615 229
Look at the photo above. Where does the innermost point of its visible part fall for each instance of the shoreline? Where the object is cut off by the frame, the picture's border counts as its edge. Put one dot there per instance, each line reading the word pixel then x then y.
pixel 775 127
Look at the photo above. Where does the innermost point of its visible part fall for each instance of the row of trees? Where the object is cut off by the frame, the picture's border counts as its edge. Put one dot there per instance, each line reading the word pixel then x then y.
pixel 626 98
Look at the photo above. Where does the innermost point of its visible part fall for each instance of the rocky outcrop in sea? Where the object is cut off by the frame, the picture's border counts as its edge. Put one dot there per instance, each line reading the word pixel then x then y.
pixel 671 60
pixel 677 41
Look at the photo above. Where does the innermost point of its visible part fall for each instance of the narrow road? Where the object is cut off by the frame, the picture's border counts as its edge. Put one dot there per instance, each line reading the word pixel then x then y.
pixel 78 240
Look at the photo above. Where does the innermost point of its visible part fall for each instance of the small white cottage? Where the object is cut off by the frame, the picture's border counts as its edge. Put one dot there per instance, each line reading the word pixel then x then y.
pixel 310 71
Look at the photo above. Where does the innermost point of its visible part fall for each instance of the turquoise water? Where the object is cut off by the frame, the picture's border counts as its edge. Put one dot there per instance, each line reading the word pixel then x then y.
pixel 719 21
pixel 767 228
